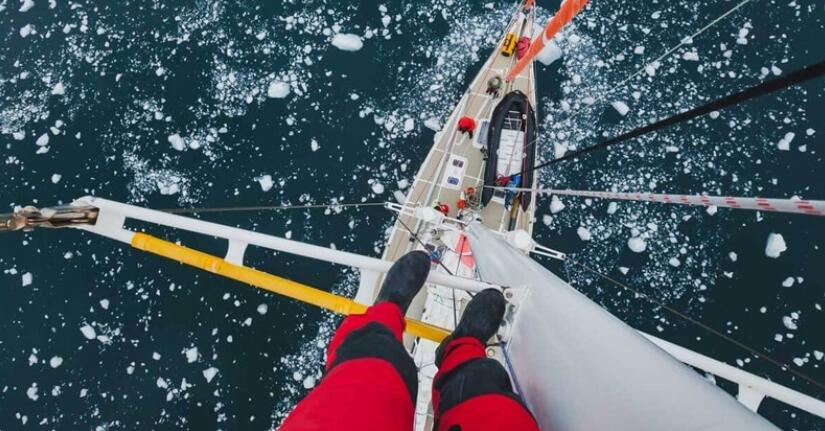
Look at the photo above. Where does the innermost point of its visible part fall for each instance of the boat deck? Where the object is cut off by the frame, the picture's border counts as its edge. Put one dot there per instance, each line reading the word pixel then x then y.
pixel 429 187
pixel 435 304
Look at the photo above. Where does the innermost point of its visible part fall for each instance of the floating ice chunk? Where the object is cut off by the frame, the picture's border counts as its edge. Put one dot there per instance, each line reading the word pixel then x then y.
pixel 26 6
pixel 277 90
pixel 547 220
pixel 549 54
pixel 168 186
pixel 56 178
pixel 650 69
pixel 637 244
pixel 55 361
pixel 88 332
pixel 775 245
pixel 674 262
pixel 691 56
pixel 432 124
pixel 584 233
pixel 711 210
pixel 210 374
pixel 624 270
pixel 775 70
pixel 262 309
pixel 19 136
pixel 403 183
pixel 612 207
pixel 191 354
pixel 176 141
pixel 556 205
pixel 347 42
pixel 266 182
pixel 309 382
pixel 818 355
pixel 314 145
pixel 377 188
pixel 26 30
pixel 620 107
pixel 400 197
pixel 785 143
pixel 104 304
pixel 639 50
pixel 162 383
pixel 733 256
pixel 799 362
pixel 789 323
pixel 788 282
pixel 31 392
pixel 43 140
pixel 27 279
pixel 58 89
pixel 409 125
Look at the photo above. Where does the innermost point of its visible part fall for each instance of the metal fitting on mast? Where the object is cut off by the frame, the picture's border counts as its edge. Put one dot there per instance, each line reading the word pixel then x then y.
pixel 29 217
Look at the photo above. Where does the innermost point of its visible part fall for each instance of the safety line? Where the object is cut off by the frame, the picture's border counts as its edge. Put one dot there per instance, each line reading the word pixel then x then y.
pixel 810 72
pixel 792 206
pixel 704 326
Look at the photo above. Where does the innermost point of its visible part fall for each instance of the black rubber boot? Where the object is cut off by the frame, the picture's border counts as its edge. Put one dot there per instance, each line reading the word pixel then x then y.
pixel 405 279
pixel 481 319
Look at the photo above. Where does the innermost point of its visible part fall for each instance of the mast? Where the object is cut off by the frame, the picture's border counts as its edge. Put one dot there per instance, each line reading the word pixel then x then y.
pixel 567 10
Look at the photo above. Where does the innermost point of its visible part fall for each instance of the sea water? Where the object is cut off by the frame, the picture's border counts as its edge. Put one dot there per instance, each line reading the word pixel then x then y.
pixel 170 104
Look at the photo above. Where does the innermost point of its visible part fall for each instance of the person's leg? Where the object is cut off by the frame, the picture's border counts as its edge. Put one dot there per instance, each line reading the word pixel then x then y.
pixel 471 391
pixel 370 381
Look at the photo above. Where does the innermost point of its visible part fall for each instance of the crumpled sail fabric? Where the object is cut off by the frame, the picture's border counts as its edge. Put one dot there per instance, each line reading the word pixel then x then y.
pixel 581 369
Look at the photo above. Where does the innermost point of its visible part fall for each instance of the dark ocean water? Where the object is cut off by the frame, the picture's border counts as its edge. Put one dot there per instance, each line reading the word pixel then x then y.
pixel 132 77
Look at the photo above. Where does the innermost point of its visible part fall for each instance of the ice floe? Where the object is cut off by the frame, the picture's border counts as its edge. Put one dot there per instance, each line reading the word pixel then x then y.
pixel 347 42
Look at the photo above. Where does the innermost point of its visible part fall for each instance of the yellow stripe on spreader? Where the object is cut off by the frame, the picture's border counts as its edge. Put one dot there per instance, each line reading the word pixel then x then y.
pixel 271 283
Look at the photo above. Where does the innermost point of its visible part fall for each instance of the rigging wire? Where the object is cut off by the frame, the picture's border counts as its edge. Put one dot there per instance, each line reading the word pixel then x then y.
pixel 809 72
pixel 267 208
pixel 684 41
pixel 758 353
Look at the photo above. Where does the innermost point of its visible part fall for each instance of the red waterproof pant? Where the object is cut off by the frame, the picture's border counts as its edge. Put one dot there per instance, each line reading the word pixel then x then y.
pixel 371 384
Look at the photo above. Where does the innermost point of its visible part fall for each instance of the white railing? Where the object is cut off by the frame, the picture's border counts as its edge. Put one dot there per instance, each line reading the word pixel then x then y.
pixel 113 215
pixel 752 389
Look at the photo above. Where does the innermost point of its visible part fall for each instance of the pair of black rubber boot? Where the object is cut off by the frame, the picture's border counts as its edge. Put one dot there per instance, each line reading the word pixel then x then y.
pixel 481 318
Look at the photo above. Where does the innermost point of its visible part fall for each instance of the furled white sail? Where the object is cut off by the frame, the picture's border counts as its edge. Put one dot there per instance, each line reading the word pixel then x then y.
pixel 581 369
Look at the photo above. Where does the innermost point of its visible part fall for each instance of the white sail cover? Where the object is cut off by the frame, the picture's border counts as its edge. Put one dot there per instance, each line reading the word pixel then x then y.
pixel 581 369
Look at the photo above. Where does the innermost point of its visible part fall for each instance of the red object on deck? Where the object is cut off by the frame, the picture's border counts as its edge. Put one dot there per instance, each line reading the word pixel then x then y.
pixel 522 47
pixel 443 209
pixel 466 124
